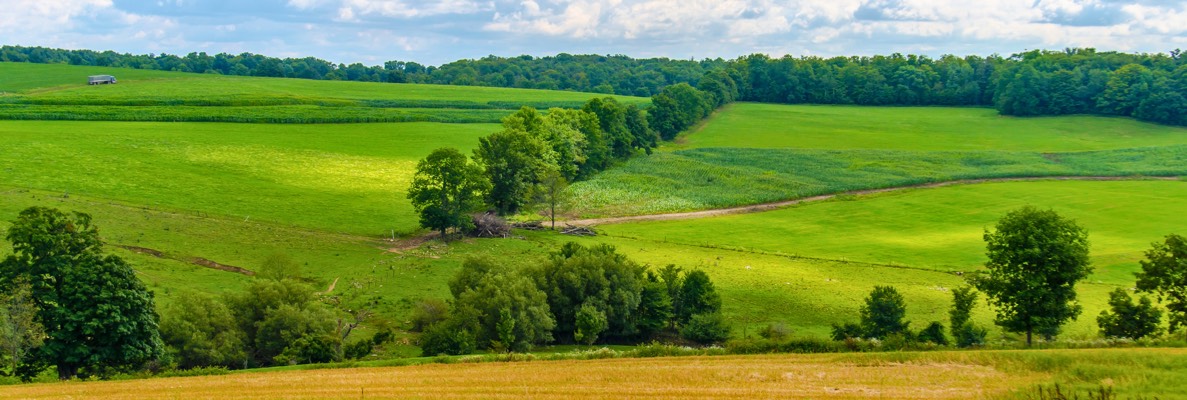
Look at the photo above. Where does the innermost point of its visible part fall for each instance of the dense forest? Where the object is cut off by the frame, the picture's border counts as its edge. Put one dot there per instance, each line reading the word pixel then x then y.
pixel 1151 87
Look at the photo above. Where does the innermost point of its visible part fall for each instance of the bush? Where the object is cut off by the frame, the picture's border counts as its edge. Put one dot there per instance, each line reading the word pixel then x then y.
pixel 969 335
pixel 450 337
pixel 848 330
pixel 706 328
pixel 426 313
pixel 934 333
pixel 775 331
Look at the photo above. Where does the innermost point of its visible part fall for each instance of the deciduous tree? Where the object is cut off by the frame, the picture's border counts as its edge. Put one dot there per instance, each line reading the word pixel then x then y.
pixel 1164 272
pixel 445 189
pixel 1035 259
pixel 98 317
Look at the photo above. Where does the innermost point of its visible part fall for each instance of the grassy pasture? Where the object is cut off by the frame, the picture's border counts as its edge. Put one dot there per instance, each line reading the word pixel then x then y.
pixel 940 229
pixel 775 126
pixel 938 375
pixel 707 178
pixel 347 178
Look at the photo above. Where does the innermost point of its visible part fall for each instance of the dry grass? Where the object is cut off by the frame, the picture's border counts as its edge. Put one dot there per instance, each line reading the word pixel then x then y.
pixel 724 377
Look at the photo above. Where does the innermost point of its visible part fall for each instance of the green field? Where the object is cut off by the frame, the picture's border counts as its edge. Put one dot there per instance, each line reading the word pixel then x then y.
pixel 775 126
pixel 349 178
pixel 764 157
pixel 330 195
pixel 59 92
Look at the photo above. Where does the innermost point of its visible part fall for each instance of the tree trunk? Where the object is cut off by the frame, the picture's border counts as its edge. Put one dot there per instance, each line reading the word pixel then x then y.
pixel 67 372
pixel 1029 331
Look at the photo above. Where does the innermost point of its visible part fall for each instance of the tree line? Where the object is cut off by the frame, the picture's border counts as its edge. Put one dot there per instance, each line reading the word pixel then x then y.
pixel 1150 87
pixel 582 295
pixel 533 158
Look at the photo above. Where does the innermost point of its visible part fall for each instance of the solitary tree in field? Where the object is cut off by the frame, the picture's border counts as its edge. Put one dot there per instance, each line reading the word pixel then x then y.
pixel 445 189
pixel 98 316
pixel 1164 272
pixel 1035 259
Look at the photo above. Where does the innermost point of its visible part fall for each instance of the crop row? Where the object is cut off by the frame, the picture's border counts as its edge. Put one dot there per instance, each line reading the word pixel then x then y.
pixel 284 100
pixel 295 114
pixel 723 177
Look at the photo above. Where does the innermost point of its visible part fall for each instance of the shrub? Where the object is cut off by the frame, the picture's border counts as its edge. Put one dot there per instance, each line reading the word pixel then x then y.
pixel 934 333
pixel 426 313
pixel 848 330
pixel 451 337
pixel 775 331
pixel 706 328
pixel 969 335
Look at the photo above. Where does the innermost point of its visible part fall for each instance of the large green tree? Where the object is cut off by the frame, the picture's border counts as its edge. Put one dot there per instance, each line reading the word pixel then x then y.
pixel 445 189
pixel 98 317
pixel 1035 259
pixel 1124 319
pixel 514 160
pixel 1164 272
pixel 598 277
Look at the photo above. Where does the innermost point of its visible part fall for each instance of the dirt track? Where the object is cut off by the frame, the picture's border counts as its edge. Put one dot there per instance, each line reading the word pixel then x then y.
pixel 786 203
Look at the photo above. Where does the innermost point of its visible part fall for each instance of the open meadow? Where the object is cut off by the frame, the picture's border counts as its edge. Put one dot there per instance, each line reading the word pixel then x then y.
pixel 933 375
pixel 754 153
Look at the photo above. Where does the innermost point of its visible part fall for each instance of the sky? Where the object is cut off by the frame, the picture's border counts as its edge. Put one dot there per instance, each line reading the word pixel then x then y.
pixel 437 32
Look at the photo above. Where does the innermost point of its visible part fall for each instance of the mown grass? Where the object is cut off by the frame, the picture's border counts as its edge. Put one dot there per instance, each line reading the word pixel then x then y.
pixel 708 178
pixel 346 178
pixel 775 126
pixel 992 374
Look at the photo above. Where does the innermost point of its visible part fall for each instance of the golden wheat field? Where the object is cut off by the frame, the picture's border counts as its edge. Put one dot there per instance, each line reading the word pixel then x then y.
pixel 720 377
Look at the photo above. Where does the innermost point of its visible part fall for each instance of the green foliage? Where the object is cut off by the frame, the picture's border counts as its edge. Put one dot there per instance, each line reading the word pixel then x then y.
pixel 20 333
pixel 445 189
pixel 1035 259
pixel 969 335
pixel 454 336
pixel 1124 319
pixel 883 313
pixel 964 299
pixel 505 310
pixel 201 332
pixel 933 333
pixel 99 317
pixel 428 312
pixel 776 331
pixel 697 295
pixel 676 108
pixel 599 277
pixel 964 332
pixel 1164 272
pixel 273 315
pixel 706 328
pixel 513 160
pixel 847 331
pixel 655 307
pixel 590 323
